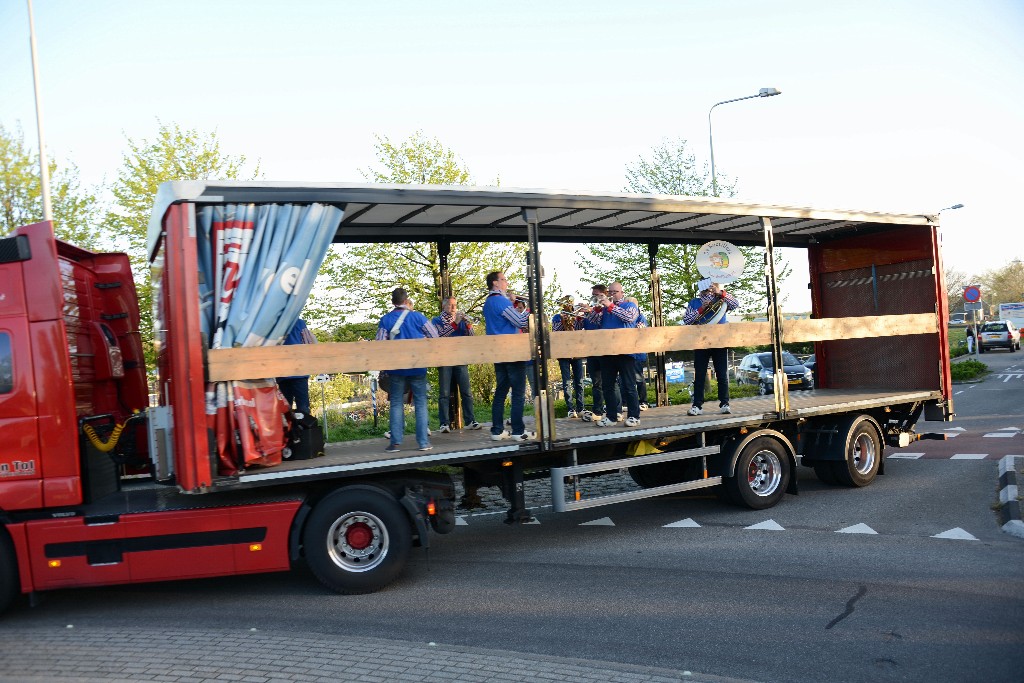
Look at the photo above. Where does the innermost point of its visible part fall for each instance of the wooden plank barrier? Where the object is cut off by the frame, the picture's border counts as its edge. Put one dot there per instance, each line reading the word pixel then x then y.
pixel 283 361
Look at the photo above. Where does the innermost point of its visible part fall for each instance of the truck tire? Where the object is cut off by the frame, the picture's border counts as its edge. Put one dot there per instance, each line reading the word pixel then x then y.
pixel 762 474
pixel 8 572
pixel 357 540
pixel 826 473
pixel 863 456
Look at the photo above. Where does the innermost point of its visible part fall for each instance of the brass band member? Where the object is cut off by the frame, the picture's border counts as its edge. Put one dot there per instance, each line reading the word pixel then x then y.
pixel 567 320
pixel 710 309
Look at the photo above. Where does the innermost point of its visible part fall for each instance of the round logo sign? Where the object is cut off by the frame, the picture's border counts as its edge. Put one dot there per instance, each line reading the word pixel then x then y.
pixel 720 261
pixel 972 294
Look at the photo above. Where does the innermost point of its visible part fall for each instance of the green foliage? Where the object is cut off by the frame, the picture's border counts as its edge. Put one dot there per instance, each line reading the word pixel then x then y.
pixel 967 369
pixel 356 280
pixel 175 154
pixel 672 169
pixel 1004 284
pixel 75 209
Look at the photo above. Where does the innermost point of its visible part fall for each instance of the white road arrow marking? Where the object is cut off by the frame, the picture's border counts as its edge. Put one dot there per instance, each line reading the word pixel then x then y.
pixel 533 520
pixel 768 525
pixel 905 456
pixel 461 521
pixel 1000 435
pixel 858 529
pixel 604 521
pixel 969 456
pixel 1009 429
pixel 957 534
pixel 955 429
pixel 687 523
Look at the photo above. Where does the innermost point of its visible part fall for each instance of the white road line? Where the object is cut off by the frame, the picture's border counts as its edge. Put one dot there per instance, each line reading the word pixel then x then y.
pixel 905 456
pixel 956 533
pixel 461 521
pixel 687 523
pixel 958 392
pixel 767 525
pixel 969 456
pixel 604 521
pixel 1000 435
pixel 857 529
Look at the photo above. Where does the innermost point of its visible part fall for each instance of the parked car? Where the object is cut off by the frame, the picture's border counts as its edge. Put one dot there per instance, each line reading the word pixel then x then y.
pixel 998 333
pixel 757 368
pixel 958 319
pixel 812 364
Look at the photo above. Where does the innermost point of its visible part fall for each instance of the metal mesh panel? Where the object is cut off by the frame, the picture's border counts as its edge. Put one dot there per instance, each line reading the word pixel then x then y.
pixel 904 362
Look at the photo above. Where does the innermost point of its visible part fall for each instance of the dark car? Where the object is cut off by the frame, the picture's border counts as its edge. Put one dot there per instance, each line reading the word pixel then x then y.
pixel 757 368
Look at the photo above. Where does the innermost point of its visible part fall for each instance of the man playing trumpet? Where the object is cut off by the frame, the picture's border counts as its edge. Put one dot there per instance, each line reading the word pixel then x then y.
pixel 614 312
pixel 570 319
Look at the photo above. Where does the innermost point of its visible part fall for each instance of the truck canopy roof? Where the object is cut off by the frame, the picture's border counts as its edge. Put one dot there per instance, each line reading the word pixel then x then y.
pixel 429 213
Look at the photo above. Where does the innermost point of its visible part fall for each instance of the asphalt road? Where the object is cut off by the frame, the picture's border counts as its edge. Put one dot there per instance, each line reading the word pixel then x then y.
pixel 908 579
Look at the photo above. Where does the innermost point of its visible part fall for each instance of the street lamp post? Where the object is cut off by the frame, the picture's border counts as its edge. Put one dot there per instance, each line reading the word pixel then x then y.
pixel 763 92
pixel 44 171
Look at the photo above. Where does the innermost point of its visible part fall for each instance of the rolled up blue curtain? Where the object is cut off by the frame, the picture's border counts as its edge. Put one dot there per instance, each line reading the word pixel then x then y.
pixel 257 266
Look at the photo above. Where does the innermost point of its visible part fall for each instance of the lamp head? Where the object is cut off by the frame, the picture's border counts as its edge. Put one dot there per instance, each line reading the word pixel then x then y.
pixel 768 92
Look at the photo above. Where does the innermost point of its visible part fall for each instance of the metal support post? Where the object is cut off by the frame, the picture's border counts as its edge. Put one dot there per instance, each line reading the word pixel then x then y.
pixel 657 320
pixel 540 345
pixel 775 319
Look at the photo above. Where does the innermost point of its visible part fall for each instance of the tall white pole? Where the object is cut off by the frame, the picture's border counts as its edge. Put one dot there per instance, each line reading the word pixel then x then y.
pixel 44 170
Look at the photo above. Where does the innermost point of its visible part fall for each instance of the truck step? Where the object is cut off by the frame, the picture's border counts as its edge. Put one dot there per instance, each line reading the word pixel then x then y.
pixel 558 475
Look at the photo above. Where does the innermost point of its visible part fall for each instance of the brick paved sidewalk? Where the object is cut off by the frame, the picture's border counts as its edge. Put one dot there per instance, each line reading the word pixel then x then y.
pixel 94 655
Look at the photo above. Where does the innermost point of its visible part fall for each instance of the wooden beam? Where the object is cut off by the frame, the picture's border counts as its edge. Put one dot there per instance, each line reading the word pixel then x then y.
pixel 284 361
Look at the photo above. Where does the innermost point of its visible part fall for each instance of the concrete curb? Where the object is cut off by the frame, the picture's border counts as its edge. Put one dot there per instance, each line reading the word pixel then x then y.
pixel 1009 505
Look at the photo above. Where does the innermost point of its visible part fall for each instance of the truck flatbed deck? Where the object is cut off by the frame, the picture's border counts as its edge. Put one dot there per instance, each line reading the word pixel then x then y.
pixel 460 447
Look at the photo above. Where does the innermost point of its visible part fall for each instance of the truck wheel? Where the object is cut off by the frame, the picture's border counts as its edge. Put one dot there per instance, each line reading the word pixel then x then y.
pixel 357 541
pixel 863 455
pixel 8 572
pixel 826 473
pixel 762 474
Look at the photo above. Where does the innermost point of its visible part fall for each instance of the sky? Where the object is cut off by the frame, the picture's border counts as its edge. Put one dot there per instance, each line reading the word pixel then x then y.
pixel 894 106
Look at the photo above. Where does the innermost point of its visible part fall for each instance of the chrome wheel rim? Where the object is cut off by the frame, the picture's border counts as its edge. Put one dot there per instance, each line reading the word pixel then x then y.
pixel 358 541
pixel 764 473
pixel 864 454
pixel 762 388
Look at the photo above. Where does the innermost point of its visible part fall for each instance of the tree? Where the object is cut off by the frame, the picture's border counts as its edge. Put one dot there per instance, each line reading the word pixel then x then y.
pixel 956 281
pixel 75 209
pixel 175 154
pixel 1003 285
pixel 355 281
pixel 672 169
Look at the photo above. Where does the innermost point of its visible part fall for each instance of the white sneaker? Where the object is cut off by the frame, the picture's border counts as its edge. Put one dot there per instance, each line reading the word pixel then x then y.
pixel 694 410
pixel 725 410
pixel 445 429
pixel 604 422
pixel 474 425
pixel 572 415
pixel 501 437
pixel 525 436
pixel 632 421
pixel 644 406
pixel 587 416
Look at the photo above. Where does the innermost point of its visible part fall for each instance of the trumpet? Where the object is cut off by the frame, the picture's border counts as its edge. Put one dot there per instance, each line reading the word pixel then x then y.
pixel 566 303
pixel 462 315
pixel 517 297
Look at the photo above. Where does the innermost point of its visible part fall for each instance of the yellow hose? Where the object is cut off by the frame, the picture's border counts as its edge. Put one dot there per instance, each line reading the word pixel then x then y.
pixel 99 444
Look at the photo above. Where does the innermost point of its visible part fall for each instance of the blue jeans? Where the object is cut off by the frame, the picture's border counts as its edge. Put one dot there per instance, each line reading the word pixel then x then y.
pixel 509 376
pixel 613 367
pixel 700 374
pixel 572 382
pixel 295 390
pixel 396 395
pixel 460 375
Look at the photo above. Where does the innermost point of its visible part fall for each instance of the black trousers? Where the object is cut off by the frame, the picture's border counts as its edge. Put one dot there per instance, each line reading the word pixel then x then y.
pixel 720 357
